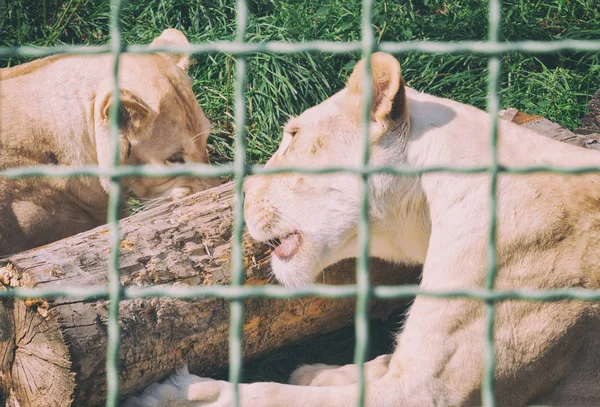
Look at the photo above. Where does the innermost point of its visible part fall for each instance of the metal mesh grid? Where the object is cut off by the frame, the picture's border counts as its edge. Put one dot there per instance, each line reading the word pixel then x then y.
pixel 362 290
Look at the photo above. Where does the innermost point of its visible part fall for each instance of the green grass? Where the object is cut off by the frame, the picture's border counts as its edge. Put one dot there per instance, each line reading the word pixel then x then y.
pixel 555 86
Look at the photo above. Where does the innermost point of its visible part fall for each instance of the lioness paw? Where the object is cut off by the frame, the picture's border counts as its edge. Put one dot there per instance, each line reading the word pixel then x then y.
pixel 329 375
pixel 307 374
pixel 184 389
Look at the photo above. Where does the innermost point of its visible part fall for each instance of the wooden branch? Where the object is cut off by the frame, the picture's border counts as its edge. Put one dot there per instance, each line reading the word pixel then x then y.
pixel 53 353
pixel 581 137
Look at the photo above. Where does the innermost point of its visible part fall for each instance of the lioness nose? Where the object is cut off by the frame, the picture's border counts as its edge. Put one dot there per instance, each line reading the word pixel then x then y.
pixel 180 192
pixel 204 183
pixel 213 182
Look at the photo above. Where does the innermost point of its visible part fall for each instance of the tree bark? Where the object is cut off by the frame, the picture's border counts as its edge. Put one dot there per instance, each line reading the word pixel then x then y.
pixel 590 123
pixel 53 352
pixel 583 137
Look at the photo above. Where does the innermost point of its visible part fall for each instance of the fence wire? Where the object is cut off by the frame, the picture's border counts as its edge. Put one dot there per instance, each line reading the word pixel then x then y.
pixel 114 203
pixel 493 48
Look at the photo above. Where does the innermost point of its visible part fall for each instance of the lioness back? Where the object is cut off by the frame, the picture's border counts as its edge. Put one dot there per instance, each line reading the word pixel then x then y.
pixel 55 111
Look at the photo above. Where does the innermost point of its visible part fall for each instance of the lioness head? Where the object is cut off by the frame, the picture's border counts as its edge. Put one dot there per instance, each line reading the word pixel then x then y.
pixel 161 120
pixel 313 218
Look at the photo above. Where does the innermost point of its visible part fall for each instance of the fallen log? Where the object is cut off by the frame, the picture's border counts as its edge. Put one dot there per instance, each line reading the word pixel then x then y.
pixel 581 137
pixel 52 353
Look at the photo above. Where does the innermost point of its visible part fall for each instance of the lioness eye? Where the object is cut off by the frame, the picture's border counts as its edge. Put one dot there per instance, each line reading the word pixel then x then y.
pixel 176 158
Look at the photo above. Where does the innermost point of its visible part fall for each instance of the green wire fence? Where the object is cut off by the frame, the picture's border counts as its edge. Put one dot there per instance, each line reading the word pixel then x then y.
pixel 236 292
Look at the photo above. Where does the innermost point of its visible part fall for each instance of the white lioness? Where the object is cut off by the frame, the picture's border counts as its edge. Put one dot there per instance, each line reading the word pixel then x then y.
pixel 55 111
pixel 547 353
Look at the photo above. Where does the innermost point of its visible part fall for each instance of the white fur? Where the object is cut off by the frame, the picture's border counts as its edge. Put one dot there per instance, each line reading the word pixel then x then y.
pixel 548 234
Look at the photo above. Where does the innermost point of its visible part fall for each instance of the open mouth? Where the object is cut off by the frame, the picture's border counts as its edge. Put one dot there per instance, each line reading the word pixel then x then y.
pixel 286 247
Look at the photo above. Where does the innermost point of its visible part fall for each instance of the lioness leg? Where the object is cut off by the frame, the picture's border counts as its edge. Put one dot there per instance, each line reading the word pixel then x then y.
pixel 192 391
pixel 330 375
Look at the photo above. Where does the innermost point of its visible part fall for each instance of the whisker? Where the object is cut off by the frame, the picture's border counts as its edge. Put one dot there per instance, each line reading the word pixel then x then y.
pixel 197 135
pixel 301 303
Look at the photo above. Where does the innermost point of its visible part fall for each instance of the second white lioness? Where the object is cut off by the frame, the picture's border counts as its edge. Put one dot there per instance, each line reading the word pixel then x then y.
pixel 55 111
pixel 547 353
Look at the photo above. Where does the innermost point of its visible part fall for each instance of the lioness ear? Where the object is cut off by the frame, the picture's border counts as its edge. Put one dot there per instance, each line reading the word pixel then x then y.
pixel 135 113
pixel 173 37
pixel 389 94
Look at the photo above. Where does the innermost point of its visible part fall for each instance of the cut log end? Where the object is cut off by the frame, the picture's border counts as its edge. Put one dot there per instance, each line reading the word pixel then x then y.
pixel 35 367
